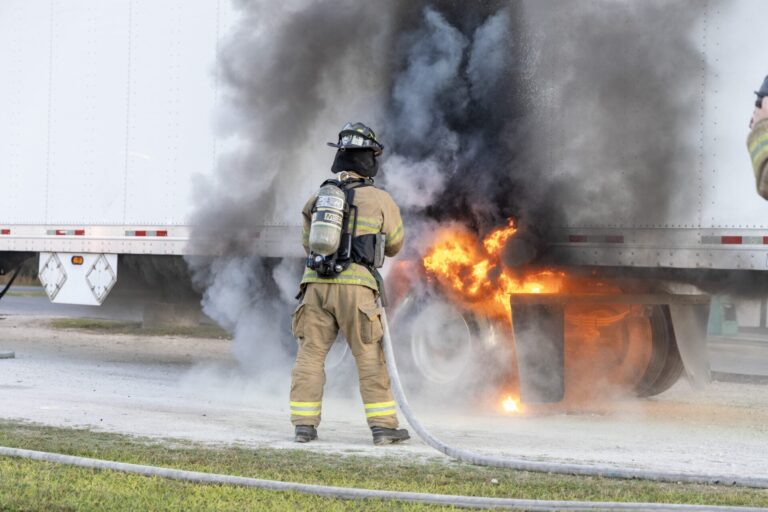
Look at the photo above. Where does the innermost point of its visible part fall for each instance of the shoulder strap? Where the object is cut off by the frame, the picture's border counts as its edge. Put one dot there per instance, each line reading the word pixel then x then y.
pixel 332 181
pixel 355 183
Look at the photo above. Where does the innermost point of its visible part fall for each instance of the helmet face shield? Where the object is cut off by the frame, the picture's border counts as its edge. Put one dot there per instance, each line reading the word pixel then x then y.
pixel 358 136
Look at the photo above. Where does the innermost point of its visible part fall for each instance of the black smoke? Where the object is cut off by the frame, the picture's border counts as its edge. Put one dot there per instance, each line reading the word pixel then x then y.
pixel 462 100
pixel 551 112
pixel 620 88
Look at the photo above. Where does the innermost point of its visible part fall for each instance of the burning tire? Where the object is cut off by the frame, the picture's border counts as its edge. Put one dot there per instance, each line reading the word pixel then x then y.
pixel 578 354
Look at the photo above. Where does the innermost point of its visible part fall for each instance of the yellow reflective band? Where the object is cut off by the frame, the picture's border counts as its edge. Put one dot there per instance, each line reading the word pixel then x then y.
pixel 306 404
pixel 338 280
pixel 759 154
pixel 379 413
pixel 305 413
pixel 367 230
pixel 371 221
pixel 396 235
pixel 346 274
pixel 353 275
pixel 379 405
pixel 373 226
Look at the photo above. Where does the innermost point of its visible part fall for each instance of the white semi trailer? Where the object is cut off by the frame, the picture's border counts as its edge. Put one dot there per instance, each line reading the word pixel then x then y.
pixel 106 117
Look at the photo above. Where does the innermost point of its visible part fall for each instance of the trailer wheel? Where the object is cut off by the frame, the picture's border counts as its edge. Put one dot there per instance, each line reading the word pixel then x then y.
pixel 610 348
pixel 439 346
pixel 665 366
pixel 433 339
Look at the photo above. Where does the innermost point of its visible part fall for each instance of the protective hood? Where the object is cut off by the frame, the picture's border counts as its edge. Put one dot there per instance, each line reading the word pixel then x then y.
pixel 360 161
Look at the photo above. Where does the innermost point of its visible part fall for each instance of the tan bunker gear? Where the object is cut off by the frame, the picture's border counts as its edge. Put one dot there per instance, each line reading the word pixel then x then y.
pixel 758 151
pixel 346 302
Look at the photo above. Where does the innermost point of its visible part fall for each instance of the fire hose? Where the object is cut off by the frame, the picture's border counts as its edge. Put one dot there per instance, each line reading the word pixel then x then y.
pixel 350 493
pixel 426 498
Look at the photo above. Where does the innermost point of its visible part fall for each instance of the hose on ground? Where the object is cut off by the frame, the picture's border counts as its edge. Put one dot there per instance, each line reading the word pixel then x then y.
pixel 347 492
pixel 604 471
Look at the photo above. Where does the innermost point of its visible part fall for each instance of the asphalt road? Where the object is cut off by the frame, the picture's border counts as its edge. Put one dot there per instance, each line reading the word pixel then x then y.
pixel 743 355
pixel 32 301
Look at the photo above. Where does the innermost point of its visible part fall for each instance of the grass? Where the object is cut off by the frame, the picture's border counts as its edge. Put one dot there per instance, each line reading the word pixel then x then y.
pixel 21 280
pixel 136 328
pixel 28 485
pixel 25 293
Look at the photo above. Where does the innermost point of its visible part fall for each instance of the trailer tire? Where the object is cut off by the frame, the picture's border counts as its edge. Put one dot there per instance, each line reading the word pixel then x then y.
pixel 666 365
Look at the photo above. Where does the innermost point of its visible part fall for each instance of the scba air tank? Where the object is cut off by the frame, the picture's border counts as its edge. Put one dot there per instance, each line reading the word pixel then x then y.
pixel 327 220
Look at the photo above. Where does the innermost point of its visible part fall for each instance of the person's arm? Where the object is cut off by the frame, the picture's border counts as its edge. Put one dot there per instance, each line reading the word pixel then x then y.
pixel 306 214
pixel 392 227
pixel 758 147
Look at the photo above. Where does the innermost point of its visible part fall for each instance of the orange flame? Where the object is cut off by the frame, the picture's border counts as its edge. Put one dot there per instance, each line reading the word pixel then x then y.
pixel 494 242
pixel 510 405
pixel 473 271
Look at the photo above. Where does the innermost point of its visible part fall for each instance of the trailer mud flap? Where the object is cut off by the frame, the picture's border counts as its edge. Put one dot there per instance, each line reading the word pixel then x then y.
pixel 77 278
pixel 539 344
pixel 689 322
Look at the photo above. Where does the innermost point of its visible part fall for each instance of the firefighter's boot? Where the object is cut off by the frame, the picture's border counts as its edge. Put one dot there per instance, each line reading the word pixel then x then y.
pixel 384 435
pixel 305 433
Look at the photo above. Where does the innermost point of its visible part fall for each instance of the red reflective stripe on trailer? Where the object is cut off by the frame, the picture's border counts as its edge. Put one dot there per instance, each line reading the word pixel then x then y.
pixel 144 232
pixel 60 232
pixel 731 240
pixel 5 231
pixel 765 240
pixel 79 232
pixel 577 239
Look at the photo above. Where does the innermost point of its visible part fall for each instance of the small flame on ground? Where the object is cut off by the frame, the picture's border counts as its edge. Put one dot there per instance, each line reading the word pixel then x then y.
pixel 510 405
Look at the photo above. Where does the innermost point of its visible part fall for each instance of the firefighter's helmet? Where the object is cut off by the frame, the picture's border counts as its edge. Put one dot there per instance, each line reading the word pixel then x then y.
pixel 357 136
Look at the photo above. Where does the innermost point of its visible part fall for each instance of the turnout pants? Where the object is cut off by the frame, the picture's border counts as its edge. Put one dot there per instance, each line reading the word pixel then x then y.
pixel 325 309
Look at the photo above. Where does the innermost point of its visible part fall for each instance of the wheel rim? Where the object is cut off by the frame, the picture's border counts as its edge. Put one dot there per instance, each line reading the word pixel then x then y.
pixel 441 342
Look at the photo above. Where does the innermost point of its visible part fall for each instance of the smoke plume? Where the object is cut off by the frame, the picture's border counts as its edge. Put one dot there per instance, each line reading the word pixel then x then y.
pixel 487 110
pixel 620 85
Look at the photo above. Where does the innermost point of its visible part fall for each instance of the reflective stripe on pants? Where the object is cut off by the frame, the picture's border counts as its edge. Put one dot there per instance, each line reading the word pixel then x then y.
pixel 305 408
pixel 379 409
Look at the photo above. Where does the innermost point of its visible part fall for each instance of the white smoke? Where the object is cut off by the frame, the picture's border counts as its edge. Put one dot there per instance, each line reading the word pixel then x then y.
pixel 236 296
pixel 432 72
pixel 415 184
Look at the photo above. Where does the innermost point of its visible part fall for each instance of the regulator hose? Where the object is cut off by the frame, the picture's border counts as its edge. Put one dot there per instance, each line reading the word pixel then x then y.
pixel 349 493
pixel 597 470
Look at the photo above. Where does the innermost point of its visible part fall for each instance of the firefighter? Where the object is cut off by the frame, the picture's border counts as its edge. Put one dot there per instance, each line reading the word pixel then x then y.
pixel 758 141
pixel 343 294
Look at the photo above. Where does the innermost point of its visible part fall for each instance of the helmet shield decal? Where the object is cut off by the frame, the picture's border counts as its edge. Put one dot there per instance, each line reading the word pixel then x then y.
pixel 358 136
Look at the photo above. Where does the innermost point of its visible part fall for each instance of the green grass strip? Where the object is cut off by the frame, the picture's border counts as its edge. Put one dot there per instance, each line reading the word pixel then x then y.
pixel 28 485
pixel 99 326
